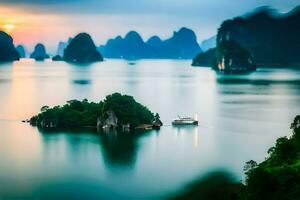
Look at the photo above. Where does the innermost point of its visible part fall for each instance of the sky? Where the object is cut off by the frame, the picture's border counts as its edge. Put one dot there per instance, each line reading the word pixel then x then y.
pixel 51 21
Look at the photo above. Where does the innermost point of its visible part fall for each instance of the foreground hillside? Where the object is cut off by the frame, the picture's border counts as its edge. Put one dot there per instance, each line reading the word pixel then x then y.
pixel 276 178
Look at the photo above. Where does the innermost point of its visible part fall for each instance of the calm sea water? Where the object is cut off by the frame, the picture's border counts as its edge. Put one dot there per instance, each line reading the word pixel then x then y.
pixel 240 118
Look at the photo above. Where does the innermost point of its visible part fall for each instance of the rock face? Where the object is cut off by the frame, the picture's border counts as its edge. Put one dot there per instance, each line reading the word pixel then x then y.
pixel 272 38
pixel 182 45
pixel 231 57
pixel 7 49
pixel 111 120
pixel 39 52
pixel 228 57
pixel 21 50
pixel 82 49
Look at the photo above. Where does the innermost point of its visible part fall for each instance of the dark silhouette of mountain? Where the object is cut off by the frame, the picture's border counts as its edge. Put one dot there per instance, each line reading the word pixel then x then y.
pixel 8 51
pixel 39 52
pixel 57 58
pixel 131 46
pixel 154 41
pixel 209 43
pixel 21 50
pixel 182 45
pixel 228 57
pixel 82 49
pixel 272 38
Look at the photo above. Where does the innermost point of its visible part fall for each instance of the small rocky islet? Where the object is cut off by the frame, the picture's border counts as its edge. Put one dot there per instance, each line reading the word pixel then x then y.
pixel 39 53
pixel 82 49
pixel 116 111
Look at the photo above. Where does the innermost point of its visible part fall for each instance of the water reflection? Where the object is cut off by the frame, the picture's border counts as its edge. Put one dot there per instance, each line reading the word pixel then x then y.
pixel 196 137
pixel 183 130
pixel 119 149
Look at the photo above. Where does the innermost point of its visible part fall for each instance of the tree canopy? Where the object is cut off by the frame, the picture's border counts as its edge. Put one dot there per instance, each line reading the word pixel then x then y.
pixel 83 113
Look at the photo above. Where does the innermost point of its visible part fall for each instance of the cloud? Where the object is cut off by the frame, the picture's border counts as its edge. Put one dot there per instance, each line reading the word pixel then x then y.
pixel 187 7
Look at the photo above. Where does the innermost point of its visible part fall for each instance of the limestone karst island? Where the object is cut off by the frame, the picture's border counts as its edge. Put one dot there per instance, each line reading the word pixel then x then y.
pixel 116 111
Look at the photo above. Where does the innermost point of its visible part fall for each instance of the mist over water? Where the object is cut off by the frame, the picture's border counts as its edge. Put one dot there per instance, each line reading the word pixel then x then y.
pixel 240 117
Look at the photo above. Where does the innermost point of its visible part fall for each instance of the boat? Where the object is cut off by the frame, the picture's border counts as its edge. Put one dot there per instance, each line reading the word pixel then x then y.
pixel 185 121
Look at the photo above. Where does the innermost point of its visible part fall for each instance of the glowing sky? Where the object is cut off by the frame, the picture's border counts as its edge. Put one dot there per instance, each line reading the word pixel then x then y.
pixel 50 21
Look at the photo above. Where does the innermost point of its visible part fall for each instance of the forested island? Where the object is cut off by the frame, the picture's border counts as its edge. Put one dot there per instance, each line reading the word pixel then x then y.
pixel 276 178
pixel 266 37
pixel 115 111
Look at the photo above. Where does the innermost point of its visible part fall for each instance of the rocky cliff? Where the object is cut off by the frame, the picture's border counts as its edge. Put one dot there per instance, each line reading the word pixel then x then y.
pixel 272 38
pixel 7 50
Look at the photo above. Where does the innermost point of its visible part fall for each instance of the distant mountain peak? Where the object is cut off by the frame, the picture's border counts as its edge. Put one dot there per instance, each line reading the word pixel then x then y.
pixel 182 45
pixel 154 40
pixel 133 36
pixel 185 34
pixel 185 30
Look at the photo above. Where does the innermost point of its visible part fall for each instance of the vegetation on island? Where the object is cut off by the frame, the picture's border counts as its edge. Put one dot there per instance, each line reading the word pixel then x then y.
pixel 114 111
pixel 276 178
pixel 271 37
